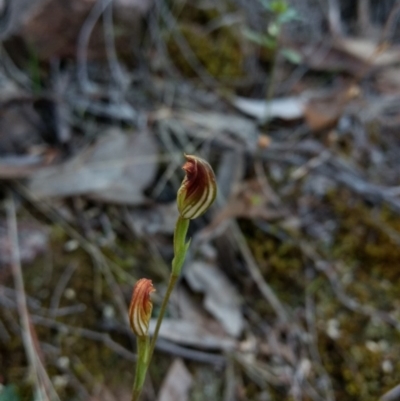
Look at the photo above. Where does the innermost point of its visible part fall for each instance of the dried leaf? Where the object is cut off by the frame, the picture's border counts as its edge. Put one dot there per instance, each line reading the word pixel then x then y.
pixel 186 332
pixel 22 166
pixel 177 383
pixel 291 108
pixel 324 112
pixel 221 298
pixel 353 55
pixel 241 128
pixel 368 51
pixel 325 57
pixel 116 169
pixel 32 241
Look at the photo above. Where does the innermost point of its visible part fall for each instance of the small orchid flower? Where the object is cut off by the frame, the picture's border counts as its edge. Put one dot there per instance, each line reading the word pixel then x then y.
pixel 141 307
pixel 196 194
pixel 198 189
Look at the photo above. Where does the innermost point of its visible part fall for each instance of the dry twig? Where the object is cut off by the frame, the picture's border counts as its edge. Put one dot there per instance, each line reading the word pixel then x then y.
pixel 44 387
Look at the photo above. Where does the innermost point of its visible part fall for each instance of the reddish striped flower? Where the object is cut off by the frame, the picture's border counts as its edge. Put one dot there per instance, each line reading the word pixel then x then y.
pixel 198 189
pixel 141 307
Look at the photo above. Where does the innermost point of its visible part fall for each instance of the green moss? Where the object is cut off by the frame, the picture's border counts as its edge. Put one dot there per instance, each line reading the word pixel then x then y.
pixel 218 50
pixel 371 258
pixel 281 264
pixel 367 261
pixel 218 53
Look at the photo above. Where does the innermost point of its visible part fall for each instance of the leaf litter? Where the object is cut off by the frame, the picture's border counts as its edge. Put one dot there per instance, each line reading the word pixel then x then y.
pixel 308 175
pixel 116 169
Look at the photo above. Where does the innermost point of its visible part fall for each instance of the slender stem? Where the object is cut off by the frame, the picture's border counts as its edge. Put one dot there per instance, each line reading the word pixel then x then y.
pixel 141 365
pixel 180 245
pixel 172 280
pixel 180 250
pixel 146 350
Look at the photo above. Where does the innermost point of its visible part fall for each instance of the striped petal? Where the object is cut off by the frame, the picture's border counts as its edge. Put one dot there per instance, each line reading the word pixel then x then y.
pixel 198 189
pixel 141 307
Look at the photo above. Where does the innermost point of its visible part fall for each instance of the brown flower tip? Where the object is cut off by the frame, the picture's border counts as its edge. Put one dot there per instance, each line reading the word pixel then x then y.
pixel 141 307
pixel 198 189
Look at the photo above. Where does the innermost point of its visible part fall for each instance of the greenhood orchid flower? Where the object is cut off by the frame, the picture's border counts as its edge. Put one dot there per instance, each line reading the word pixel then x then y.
pixel 196 194
pixel 141 307
pixel 198 189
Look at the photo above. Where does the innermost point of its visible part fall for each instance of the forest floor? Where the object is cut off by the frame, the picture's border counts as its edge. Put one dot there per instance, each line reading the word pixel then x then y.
pixel 291 288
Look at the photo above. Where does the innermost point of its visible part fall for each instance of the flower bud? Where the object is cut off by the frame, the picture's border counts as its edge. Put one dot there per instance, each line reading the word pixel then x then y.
pixel 198 189
pixel 141 307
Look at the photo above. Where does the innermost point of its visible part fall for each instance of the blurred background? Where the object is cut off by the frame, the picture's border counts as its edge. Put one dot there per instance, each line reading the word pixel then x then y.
pixel 291 289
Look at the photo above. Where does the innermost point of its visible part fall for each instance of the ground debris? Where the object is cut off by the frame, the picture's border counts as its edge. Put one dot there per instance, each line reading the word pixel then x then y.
pixel 116 169
pixel 33 241
pixel 290 288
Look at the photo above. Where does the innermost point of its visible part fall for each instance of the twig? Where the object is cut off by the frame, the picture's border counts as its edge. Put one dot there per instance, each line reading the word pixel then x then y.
pixel 69 310
pixel 363 17
pixel 16 74
pixel 108 28
pixel 44 388
pixel 390 24
pixel 187 353
pixel 81 332
pixel 186 51
pixel 175 161
pixel 83 43
pixel 256 275
pixel 4 335
pixel 325 380
pixel 335 23
pixel 7 293
pixel 156 35
pixel 59 289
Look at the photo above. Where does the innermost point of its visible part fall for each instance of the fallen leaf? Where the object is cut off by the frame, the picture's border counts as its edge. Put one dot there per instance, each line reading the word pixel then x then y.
pixel 239 127
pixel 290 108
pixel 353 55
pixel 220 297
pixel 185 332
pixel 22 166
pixel 32 242
pixel 369 51
pixel 177 383
pixel 325 57
pixel 116 169
pixel 323 112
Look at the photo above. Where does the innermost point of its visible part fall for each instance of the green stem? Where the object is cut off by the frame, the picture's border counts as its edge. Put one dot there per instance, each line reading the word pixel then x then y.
pixel 142 363
pixel 180 250
pixel 171 285
pixel 180 245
